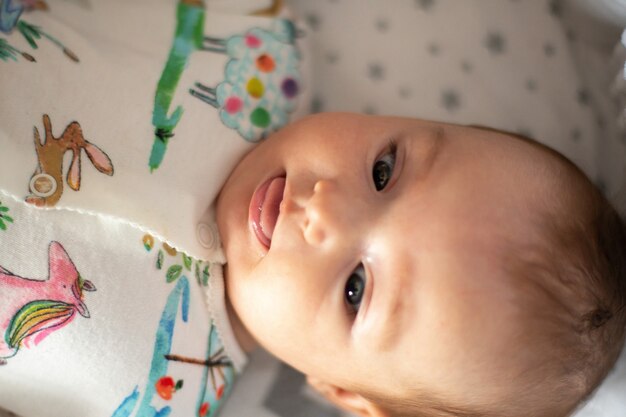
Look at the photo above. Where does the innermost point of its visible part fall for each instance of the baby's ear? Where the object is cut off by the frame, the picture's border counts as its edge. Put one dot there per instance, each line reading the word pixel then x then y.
pixel 347 400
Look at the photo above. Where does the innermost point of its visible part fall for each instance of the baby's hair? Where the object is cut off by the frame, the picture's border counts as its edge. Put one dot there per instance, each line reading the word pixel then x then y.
pixel 583 272
pixel 573 293
pixel 605 324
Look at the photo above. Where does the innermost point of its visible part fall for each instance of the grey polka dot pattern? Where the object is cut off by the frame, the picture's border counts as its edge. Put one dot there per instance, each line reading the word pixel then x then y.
pixel 466 66
pixel 317 105
pixel 601 185
pixel 451 100
pixel 434 49
pixel 376 71
pixel 531 84
pixel 583 97
pixel 382 25
pixel 555 7
pixel 576 135
pixel 495 43
pixel 370 109
pixel 425 4
pixel 332 57
pixel 405 92
pixel 570 35
pixel 549 49
pixel 313 20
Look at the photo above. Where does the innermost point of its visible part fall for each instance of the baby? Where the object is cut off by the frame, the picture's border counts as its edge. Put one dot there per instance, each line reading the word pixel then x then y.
pixel 405 266
pixel 417 268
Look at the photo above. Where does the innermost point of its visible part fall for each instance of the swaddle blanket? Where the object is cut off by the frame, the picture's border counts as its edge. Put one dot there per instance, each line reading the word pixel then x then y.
pixel 119 122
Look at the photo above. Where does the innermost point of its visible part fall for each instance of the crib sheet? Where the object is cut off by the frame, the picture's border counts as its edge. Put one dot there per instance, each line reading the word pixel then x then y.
pixel 505 64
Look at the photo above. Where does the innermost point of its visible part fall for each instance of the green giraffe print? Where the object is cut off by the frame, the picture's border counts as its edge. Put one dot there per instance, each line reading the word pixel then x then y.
pixel 188 37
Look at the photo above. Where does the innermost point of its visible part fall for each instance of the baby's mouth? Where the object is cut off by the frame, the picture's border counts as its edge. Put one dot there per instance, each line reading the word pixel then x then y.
pixel 265 208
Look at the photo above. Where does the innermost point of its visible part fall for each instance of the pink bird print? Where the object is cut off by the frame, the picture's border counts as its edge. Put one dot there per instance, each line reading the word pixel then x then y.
pixel 31 309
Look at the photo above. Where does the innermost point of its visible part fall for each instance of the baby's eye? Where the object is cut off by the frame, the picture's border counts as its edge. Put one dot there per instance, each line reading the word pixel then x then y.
pixel 355 287
pixel 383 168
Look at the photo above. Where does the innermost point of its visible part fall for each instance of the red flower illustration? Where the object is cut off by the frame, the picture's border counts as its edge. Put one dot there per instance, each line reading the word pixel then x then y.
pixel 166 386
pixel 204 409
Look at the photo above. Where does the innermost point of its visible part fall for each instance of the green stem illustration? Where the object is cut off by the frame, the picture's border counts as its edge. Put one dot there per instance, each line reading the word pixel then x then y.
pixel 188 37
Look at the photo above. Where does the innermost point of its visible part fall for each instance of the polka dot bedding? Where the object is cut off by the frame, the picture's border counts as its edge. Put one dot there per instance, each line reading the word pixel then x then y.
pixel 505 64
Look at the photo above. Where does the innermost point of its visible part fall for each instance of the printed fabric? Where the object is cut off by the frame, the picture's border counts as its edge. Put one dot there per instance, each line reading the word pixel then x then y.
pixel 119 123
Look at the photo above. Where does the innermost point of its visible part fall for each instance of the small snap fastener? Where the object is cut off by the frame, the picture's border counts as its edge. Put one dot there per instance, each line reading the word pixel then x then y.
pixel 207 235
pixel 43 185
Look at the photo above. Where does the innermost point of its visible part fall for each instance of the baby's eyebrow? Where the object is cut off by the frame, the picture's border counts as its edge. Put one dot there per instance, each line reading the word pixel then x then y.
pixel 392 316
pixel 391 330
pixel 391 313
pixel 426 152
pixel 515 135
pixel 526 139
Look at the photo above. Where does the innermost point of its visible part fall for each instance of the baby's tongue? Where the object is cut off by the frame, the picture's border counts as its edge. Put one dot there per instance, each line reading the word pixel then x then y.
pixel 271 206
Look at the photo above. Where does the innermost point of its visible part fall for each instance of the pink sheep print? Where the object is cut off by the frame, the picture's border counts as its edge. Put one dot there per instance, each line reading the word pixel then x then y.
pixel 31 309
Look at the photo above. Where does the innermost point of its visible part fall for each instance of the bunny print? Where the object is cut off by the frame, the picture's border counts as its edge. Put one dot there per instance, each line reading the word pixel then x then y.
pixel 46 184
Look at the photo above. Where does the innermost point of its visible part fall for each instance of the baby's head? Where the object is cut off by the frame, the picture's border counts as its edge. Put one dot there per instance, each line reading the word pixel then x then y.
pixel 419 268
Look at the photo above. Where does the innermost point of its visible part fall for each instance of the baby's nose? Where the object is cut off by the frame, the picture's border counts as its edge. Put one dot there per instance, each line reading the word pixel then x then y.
pixel 325 217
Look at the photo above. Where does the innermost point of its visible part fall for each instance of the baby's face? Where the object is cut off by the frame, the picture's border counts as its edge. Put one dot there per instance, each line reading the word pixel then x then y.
pixel 365 251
